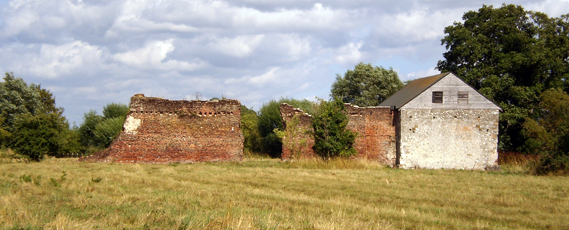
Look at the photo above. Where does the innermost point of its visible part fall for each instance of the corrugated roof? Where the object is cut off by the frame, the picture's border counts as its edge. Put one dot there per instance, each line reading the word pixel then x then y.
pixel 412 90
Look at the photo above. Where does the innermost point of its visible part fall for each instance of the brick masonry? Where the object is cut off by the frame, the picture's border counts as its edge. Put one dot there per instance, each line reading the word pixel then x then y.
pixel 165 131
pixel 293 146
pixel 375 127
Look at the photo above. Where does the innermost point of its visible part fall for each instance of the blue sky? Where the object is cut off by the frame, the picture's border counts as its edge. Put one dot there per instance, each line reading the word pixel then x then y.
pixel 92 52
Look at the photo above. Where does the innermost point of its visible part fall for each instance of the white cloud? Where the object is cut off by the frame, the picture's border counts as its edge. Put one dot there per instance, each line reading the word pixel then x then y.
pixel 240 46
pixel 273 75
pixel 554 8
pixel 55 61
pixel 15 25
pixel 154 55
pixel 349 54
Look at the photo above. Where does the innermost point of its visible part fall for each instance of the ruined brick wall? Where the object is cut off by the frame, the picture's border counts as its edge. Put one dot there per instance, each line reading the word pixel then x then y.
pixel 376 132
pixel 299 144
pixel 452 139
pixel 374 125
pixel 164 131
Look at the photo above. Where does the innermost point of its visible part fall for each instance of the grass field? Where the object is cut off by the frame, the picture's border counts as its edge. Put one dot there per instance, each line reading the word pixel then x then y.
pixel 270 194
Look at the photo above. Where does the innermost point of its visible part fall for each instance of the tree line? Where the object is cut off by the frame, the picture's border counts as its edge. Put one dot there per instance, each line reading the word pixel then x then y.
pixel 516 58
pixel 32 125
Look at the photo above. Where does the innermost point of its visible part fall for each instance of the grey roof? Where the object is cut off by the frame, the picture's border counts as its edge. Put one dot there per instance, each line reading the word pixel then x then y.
pixel 412 90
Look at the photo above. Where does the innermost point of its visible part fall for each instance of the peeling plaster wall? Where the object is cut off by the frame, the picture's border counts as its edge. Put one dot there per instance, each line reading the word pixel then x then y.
pixel 164 131
pixel 451 139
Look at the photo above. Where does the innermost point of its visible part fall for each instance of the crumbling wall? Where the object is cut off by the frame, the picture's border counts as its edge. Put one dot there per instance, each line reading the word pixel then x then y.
pixel 298 144
pixel 451 139
pixel 376 132
pixel 374 125
pixel 164 131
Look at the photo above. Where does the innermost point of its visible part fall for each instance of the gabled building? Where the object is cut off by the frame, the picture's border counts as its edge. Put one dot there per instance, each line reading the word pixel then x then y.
pixel 442 122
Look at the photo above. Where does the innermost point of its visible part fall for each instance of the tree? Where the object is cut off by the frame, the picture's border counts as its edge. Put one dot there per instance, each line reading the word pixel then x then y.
pixel 366 85
pixel 107 130
pixel 87 128
pixel 252 141
pixel 4 134
pixel 331 137
pixel 31 124
pixel 98 132
pixel 114 110
pixel 549 136
pixel 17 98
pixel 511 56
pixel 39 135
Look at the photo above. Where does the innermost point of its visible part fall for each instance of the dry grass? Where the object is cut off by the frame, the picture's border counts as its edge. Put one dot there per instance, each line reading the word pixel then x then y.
pixel 269 194
pixel 515 162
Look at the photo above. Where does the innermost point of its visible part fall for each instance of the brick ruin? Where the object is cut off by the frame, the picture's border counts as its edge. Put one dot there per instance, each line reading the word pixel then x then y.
pixel 299 144
pixel 375 127
pixel 157 130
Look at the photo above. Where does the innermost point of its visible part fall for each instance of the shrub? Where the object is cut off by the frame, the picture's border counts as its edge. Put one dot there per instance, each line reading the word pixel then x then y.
pixel 331 137
pixel 106 131
pixel 549 135
pixel 36 136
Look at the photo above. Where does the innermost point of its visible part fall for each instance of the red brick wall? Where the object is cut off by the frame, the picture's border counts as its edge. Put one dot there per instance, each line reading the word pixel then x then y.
pixel 305 124
pixel 374 125
pixel 178 131
pixel 376 133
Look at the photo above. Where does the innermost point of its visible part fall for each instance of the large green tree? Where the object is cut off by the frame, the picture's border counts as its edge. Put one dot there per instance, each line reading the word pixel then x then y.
pixel 511 56
pixel 31 124
pixel 18 98
pixel 366 85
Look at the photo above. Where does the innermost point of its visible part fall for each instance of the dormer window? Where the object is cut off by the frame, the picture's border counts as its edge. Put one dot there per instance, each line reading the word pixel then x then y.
pixel 437 97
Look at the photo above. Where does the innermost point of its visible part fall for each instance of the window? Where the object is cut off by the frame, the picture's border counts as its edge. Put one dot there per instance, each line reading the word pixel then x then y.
pixel 462 97
pixel 437 97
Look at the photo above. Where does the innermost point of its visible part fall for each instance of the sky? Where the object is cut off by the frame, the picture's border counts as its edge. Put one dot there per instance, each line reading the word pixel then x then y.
pixel 89 53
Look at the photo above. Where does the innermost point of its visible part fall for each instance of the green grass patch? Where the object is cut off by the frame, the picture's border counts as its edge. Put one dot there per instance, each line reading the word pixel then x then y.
pixel 261 193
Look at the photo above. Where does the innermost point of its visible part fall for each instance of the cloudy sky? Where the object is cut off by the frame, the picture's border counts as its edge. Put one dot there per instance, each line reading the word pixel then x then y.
pixel 92 52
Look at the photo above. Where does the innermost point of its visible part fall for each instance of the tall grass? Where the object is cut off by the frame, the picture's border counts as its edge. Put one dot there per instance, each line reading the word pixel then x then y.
pixel 263 193
pixel 515 162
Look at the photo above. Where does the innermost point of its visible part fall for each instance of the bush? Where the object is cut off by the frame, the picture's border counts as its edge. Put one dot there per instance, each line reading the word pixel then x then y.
pixel 106 131
pixel 98 132
pixel 114 110
pixel 252 141
pixel 36 136
pixel 549 135
pixel 331 137
pixel 551 164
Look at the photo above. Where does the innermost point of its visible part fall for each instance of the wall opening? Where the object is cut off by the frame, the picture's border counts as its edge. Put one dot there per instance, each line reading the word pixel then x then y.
pixel 462 97
pixel 437 97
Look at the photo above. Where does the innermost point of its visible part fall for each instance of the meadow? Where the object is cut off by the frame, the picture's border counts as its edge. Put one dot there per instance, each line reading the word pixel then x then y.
pixel 261 193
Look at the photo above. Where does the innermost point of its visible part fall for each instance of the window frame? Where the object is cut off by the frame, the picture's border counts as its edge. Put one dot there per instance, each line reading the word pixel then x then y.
pixel 438 97
pixel 463 97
